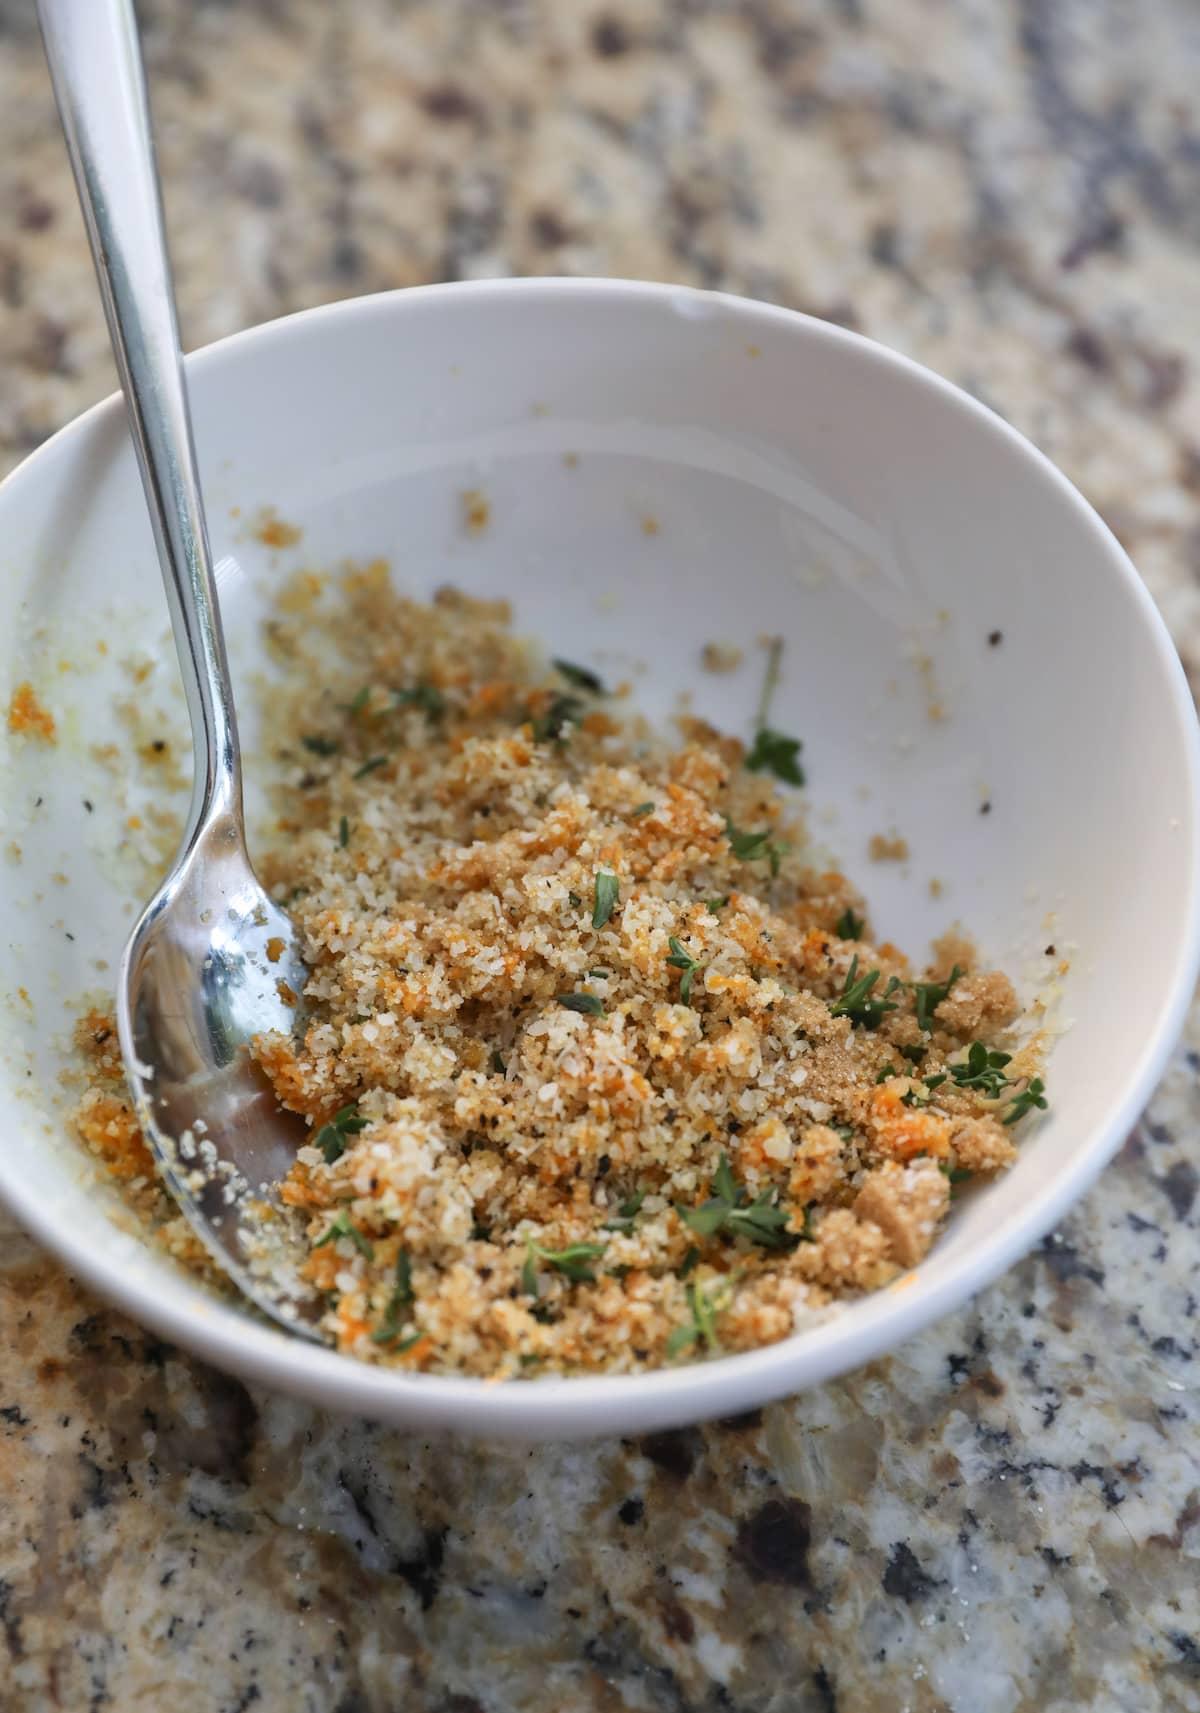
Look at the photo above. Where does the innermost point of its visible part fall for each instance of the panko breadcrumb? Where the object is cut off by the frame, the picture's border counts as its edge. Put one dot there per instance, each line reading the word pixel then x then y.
pixel 600 1072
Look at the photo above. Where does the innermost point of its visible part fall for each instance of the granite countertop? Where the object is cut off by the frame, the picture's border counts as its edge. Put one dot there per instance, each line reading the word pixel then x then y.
pixel 1005 1516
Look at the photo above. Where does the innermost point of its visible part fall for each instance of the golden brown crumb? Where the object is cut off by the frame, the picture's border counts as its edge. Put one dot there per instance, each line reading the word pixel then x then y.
pixel 887 847
pixel 907 1203
pixel 28 716
pixel 272 531
pixel 982 1145
pixel 848 1253
pixel 721 657
pixel 476 511
pixel 979 1006
pixel 650 525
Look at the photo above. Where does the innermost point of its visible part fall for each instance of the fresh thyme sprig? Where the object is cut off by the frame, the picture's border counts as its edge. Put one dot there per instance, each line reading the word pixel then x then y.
pixel 1031 1096
pixel 704 1308
pixel 401 1300
pixel 681 959
pixel 729 1210
pixel 858 1000
pixel 343 1226
pixel 749 846
pixel 983 1070
pixel 573 1263
pixel 331 1137
pixel 774 751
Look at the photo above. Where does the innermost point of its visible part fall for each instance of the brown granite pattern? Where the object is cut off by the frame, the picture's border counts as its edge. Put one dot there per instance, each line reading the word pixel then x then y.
pixel 1003 1517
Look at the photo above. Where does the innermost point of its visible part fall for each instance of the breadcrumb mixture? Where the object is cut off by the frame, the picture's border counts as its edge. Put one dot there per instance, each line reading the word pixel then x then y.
pixel 600 1073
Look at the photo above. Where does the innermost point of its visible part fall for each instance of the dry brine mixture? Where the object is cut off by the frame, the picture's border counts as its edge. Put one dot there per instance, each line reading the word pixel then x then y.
pixel 599 1074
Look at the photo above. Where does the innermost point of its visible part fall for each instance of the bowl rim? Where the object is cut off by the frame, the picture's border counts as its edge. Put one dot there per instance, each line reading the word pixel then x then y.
pixel 588 1405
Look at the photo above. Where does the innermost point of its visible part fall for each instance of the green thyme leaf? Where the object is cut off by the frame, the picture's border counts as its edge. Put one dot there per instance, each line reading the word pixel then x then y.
pixel 320 746
pixel 401 1300
pixel 983 1070
pixel 681 959
pixel 574 900
pixel 607 891
pixel 573 1262
pixel 918 1097
pixel 641 809
pixel 587 1003
pixel 624 1217
pixel 369 766
pixel 930 994
pixel 580 677
pixel 424 696
pixel 774 752
pixel 360 701
pixel 343 1226
pixel 858 1000
pixel 331 1137
pixel 753 847
pixel 1032 1095
pixel 715 905
pixel 849 926
pixel 343 832
pixel 729 1210
pixel 704 1309
pixel 551 725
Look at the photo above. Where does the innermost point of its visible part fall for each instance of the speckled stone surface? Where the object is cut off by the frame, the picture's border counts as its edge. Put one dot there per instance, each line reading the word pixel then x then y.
pixel 1006 1515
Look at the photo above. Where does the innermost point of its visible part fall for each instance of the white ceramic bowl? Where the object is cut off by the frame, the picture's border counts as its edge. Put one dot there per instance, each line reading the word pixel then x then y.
pixel 801 480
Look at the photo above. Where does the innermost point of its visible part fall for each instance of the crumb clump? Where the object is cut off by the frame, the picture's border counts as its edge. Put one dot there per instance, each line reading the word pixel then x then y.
pixel 721 657
pixel 29 717
pixel 888 847
pixel 273 531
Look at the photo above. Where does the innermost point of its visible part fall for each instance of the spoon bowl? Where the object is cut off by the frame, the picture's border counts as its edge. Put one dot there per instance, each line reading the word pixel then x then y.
pixel 212 964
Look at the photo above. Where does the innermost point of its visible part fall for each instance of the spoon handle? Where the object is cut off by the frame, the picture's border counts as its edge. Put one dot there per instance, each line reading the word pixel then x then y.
pixel 96 68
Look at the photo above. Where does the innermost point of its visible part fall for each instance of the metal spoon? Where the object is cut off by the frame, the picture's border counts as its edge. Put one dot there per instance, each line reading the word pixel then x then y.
pixel 213 961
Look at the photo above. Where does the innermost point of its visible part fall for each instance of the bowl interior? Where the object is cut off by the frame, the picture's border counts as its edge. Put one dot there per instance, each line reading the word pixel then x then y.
pixel 969 659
